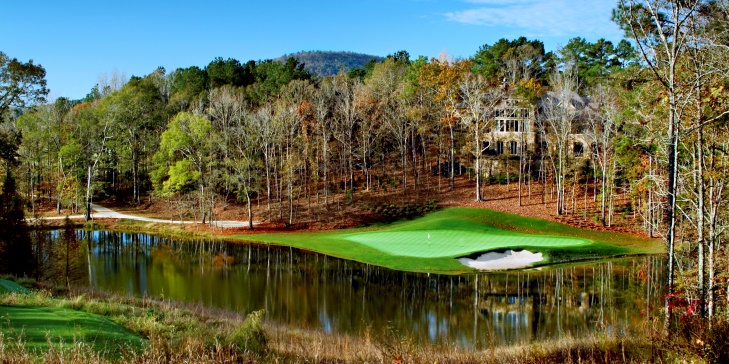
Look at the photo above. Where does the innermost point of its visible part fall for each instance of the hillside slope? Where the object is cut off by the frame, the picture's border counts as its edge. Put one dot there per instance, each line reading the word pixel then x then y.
pixel 327 63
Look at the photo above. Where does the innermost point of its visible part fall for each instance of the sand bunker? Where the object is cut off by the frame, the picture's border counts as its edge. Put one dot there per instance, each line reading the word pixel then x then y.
pixel 507 260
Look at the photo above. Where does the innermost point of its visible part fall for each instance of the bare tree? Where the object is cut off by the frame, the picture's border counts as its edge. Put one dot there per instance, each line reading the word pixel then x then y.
pixel 386 83
pixel 477 108
pixel 602 116
pixel 665 32
pixel 323 113
pixel 659 28
pixel 559 111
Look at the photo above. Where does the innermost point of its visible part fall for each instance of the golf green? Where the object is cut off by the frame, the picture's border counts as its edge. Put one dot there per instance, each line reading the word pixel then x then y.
pixel 453 243
pixel 37 326
pixel 432 242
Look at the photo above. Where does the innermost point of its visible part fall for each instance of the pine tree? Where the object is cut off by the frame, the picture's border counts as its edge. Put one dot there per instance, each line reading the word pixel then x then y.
pixel 16 252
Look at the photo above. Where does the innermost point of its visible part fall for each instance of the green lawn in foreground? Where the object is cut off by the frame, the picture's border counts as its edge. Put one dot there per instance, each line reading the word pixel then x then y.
pixel 457 232
pixel 36 324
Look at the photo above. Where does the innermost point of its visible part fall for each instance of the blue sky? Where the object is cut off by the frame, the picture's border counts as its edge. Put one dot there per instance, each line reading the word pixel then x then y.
pixel 76 41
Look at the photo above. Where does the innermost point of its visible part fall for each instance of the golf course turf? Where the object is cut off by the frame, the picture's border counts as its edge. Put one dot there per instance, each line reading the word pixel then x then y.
pixel 433 242
pixel 11 287
pixel 40 325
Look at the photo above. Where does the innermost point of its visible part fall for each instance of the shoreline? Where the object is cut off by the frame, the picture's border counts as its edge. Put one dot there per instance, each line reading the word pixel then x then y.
pixel 332 243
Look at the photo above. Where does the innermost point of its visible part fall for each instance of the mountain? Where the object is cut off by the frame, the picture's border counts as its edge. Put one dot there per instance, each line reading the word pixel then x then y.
pixel 326 63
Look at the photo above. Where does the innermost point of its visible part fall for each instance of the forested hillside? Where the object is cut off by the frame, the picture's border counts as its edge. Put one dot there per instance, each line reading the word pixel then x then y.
pixel 327 63
pixel 651 120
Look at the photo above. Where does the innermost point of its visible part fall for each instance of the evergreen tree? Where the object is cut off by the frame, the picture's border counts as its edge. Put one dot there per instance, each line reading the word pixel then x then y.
pixel 16 252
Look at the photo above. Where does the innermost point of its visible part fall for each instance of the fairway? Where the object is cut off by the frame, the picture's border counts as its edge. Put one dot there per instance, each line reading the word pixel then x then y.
pixel 454 243
pixel 38 325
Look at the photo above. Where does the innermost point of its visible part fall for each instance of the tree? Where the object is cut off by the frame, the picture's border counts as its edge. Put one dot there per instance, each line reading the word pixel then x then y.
pixel 10 139
pixel 186 85
pixel 21 84
pixel 16 254
pixel 244 157
pixel 558 113
pixel 422 113
pixel 228 72
pixel 136 113
pixel 478 100
pixel 269 76
pixel 386 84
pixel 184 159
pixel 323 106
pixel 603 123
pixel 516 60
pixel 226 104
pixel 345 113
pixel 92 132
pixel 446 79
pixel 662 30
pixel 596 61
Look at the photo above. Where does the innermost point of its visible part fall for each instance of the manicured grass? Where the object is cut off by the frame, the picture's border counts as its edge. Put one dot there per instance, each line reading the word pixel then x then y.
pixel 457 232
pixel 452 243
pixel 39 325
pixel 11 287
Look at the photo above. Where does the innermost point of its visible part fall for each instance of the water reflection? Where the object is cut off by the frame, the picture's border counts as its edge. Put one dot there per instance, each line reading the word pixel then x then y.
pixel 313 290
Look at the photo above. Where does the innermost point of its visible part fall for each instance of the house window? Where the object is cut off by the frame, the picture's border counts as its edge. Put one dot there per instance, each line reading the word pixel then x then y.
pixel 513 148
pixel 578 149
pixel 499 148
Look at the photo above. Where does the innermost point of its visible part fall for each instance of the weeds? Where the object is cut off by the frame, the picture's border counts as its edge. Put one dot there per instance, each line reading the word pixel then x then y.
pixel 250 335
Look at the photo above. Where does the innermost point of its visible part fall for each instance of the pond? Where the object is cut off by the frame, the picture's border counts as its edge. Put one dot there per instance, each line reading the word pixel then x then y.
pixel 338 296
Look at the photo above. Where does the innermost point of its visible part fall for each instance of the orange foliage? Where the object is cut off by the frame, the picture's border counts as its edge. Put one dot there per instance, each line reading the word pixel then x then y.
pixel 223 259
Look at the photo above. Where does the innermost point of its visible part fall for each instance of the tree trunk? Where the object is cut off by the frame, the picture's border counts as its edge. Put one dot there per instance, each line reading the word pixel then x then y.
pixel 415 159
pixel 477 141
pixel 700 220
pixel 521 163
pixel 651 218
pixel 88 194
pixel 453 159
pixel 671 208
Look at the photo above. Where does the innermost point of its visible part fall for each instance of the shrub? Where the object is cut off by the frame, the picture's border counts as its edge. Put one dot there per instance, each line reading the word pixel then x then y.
pixel 411 210
pixel 250 336
pixel 92 225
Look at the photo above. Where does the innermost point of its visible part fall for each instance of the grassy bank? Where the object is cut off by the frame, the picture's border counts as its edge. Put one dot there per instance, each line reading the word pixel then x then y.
pixel 431 243
pixel 177 332
pixel 43 325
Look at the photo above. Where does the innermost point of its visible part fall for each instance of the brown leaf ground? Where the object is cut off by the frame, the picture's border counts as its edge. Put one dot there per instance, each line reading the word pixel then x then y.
pixel 311 214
